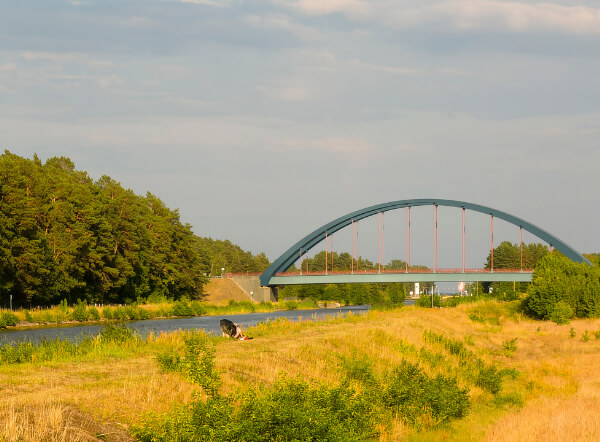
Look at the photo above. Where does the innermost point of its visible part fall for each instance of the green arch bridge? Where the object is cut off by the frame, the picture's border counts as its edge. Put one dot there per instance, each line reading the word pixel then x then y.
pixel 276 274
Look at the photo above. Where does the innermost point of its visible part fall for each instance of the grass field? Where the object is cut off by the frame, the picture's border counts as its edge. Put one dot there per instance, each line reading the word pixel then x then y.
pixel 550 390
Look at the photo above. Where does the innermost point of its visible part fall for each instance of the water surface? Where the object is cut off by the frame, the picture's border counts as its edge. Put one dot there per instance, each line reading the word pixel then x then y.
pixel 208 323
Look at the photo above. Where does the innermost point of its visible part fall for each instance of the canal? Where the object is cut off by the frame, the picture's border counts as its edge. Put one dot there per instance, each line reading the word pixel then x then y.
pixel 209 323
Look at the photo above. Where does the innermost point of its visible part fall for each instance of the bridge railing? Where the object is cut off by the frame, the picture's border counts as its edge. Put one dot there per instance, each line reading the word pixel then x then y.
pixel 396 271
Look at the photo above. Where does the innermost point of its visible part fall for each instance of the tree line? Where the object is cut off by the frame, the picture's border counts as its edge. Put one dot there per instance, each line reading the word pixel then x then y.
pixel 64 236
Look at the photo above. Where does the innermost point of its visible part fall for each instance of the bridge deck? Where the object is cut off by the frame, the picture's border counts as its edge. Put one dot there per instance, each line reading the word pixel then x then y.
pixel 439 276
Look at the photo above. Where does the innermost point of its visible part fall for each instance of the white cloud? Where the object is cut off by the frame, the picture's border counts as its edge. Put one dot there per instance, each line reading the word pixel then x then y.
pixel 138 22
pixel 491 15
pixel 286 93
pixel 110 81
pixel 8 67
pixel 495 15
pixel 327 144
pixel 217 4
pixel 283 23
pixel 353 8
pixel 383 68
pixel 63 57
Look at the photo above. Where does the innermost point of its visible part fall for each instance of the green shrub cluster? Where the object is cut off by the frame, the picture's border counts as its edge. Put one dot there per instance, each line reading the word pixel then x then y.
pixel 294 409
pixel 197 363
pixel 290 410
pixel 8 319
pixel 425 301
pixel 59 348
pixel 45 350
pixel 117 333
pixel 125 313
pixel 423 401
pixel 561 313
pixel 561 289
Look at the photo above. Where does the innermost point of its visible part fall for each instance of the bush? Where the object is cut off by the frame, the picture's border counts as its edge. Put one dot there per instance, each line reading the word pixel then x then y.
pixel 422 401
pixel 120 314
pixel 557 279
pixel 108 313
pixel 198 309
pixel 8 319
pixel 561 313
pixel 425 301
pixel 489 378
pixel 116 333
pixel 291 409
pixel 510 346
pixel 358 368
pixel 80 312
pixel 197 364
pixel 475 317
pixel 181 308
pixel 94 314
pixel 290 305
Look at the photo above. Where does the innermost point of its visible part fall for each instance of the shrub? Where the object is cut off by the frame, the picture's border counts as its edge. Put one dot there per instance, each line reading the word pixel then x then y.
pixel 108 313
pixel 585 336
pixel 94 314
pixel 425 301
pixel 561 313
pixel 197 364
pixel 120 314
pixel 510 345
pixel 476 318
pixel 63 306
pixel 489 378
pixel 8 319
pixel 116 333
pixel 290 305
pixel 181 308
pixel 198 309
pixel 558 279
pixel 291 409
pixel 358 368
pixel 80 312
pixel 424 401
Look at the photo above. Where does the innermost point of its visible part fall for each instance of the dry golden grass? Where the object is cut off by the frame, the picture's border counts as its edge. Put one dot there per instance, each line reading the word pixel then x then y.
pixel 87 398
pixel 559 380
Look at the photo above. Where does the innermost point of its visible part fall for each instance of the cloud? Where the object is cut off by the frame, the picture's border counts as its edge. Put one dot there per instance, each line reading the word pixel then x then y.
pixel 353 8
pixel 110 81
pixel 8 67
pixel 463 15
pixel 62 58
pixel 327 144
pixel 492 15
pixel 282 22
pixel 217 4
pixel 286 93
pixel 383 68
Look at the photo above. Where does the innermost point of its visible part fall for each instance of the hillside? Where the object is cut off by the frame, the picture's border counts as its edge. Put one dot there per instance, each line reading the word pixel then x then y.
pixel 222 290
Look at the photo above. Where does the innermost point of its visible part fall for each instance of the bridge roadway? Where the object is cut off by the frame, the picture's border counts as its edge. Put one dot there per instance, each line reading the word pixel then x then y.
pixel 441 275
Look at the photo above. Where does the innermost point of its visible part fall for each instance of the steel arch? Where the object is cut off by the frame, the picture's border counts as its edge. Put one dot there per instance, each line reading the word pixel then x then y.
pixel 309 241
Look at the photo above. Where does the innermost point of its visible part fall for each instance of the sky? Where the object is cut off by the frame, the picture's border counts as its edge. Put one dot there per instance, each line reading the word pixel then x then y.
pixel 262 120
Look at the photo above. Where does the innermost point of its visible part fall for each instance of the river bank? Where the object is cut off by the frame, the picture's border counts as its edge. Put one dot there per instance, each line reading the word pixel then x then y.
pixel 209 323
pixel 525 379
